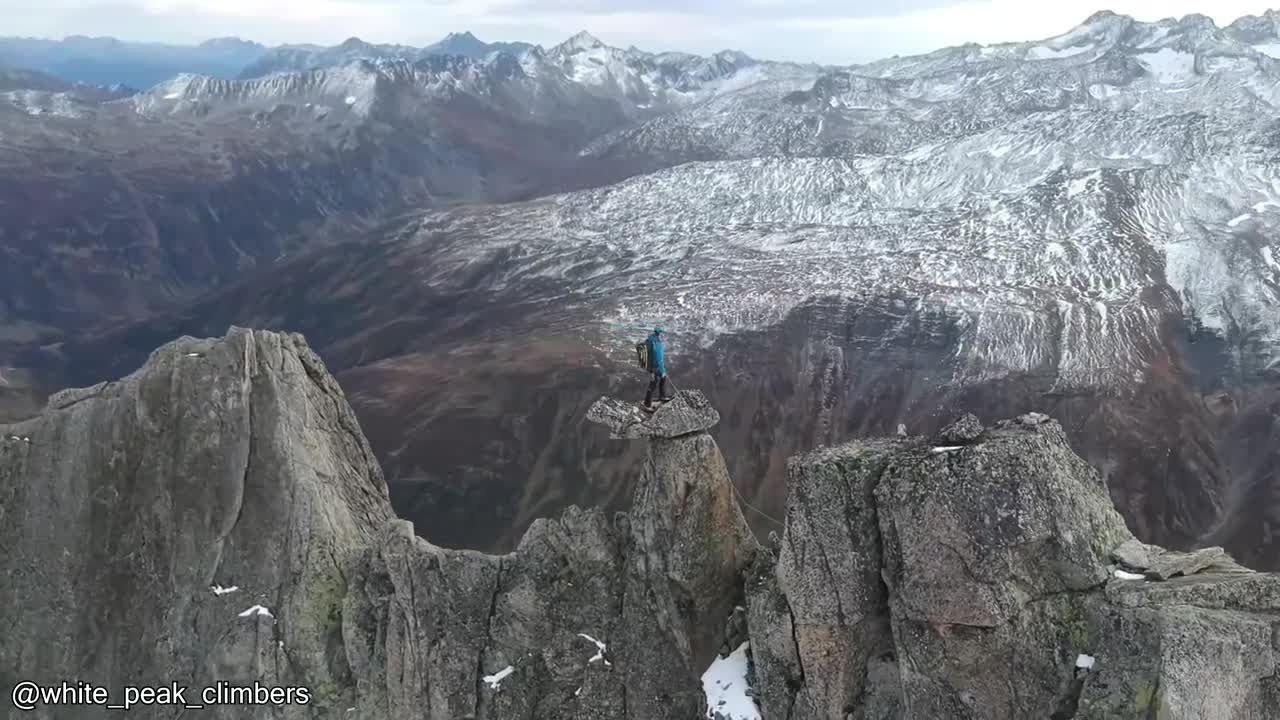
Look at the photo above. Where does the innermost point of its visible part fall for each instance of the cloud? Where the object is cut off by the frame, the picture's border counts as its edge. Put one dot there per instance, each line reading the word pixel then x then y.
pixel 827 31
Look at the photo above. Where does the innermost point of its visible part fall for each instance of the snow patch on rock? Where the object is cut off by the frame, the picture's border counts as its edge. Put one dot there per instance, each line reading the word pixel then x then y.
pixel 726 684
pixel 1043 52
pixel 1169 66
pixel 494 681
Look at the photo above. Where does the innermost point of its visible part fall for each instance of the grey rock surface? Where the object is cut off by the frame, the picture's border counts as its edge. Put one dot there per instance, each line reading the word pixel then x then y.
pixel 218 516
pixel 689 547
pixel 220 464
pixel 829 566
pixel 145 515
pixel 689 412
pixel 1161 564
pixel 992 565
pixel 962 431
pixel 587 618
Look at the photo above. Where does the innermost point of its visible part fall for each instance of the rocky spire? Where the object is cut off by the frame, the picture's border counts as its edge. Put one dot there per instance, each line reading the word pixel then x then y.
pixel 218 515
pixel 192 522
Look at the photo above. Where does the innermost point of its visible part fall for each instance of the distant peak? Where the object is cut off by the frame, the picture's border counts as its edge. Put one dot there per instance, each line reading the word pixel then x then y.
pixel 1196 20
pixel 353 42
pixel 227 42
pixel 1260 27
pixel 233 46
pixel 582 41
pixel 102 39
pixel 464 35
pixel 734 56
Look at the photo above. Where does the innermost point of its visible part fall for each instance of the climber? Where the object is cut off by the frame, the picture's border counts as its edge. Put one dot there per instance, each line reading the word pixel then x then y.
pixel 657 367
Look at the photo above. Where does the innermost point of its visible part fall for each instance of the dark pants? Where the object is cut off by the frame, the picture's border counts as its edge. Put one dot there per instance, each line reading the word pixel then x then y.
pixel 656 382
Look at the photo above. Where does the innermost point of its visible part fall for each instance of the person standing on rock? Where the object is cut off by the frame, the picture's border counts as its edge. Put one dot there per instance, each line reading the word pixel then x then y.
pixel 657 367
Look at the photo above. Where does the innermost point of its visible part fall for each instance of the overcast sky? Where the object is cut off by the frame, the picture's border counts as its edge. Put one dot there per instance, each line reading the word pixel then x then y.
pixel 829 31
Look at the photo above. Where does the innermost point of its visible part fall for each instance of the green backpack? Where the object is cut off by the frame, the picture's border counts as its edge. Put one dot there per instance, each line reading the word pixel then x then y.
pixel 642 354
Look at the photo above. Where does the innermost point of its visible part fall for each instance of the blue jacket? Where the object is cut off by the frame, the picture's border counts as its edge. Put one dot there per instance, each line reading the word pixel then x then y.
pixel 657 357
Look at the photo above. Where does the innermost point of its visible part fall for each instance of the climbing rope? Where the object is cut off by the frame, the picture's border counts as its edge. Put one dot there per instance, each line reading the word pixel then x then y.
pixel 753 507
pixel 741 499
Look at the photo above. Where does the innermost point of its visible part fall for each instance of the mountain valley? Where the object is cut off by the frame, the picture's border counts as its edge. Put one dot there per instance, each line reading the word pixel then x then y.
pixel 1083 226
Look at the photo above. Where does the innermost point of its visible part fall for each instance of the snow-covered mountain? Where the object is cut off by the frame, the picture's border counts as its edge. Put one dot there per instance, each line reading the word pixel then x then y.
pixel 643 84
pixel 901 104
pixel 294 58
pixel 994 177
pixel 648 81
pixel 36 94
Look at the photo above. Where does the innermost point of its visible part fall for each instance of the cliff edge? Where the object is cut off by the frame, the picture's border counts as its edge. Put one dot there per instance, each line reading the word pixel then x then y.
pixel 985 573
pixel 218 517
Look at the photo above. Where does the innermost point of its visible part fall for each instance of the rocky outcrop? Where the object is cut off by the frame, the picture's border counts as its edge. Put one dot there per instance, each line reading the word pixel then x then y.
pixel 1161 564
pixel 587 618
pixel 689 412
pixel 986 574
pixel 193 522
pixel 218 516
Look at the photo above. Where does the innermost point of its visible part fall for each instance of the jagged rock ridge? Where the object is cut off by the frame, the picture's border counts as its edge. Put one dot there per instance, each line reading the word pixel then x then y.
pixel 217 515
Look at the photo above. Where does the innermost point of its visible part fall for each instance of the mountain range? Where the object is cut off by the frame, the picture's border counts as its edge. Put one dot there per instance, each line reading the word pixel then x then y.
pixel 309 57
pixel 108 61
pixel 1083 225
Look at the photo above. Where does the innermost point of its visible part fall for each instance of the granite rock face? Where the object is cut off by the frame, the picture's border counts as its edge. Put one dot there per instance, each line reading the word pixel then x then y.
pixel 964 430
pixel 589 617
pixel 218 516
pixel 991 577
pixel 1161 564
pixel 136 505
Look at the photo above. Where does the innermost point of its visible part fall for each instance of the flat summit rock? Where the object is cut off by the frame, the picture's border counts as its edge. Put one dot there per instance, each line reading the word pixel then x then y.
pixel 689 412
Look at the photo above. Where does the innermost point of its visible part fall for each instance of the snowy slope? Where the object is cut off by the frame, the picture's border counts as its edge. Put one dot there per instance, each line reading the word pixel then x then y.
pixel 900 104
pixel 651 82
pixel 1040 195
pixel 1049 197
pixel 642 83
